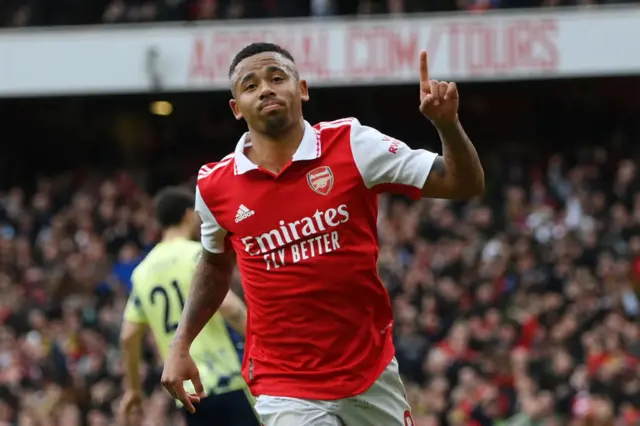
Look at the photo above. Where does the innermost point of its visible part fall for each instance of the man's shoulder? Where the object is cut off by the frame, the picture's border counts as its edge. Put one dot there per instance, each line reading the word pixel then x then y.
pixel 181 249
pixel 139 275
pixel 174 252
pixel 145 267
pixel 342 131
pixel 340 125
pixel 212 173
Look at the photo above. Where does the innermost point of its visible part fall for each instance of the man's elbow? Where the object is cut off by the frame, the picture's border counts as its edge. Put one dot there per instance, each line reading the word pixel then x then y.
pixel 459 183
pixel 472 185
pixel 469 188
pixel 476 187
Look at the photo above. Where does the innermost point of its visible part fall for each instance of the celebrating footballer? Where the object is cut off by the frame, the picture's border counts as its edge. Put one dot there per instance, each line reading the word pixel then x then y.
pixel 296 205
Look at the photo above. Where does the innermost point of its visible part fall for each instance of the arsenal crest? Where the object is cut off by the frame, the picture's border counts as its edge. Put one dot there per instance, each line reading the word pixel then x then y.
pixel 320 180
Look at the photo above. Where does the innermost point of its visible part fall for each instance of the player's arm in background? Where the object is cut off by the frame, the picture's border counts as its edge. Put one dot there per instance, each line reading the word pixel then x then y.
pixel 234 311
pixel 209 288
pixel 134 327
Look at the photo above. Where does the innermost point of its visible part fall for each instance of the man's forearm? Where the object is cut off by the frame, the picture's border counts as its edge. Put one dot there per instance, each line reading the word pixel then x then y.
pixel 132 369
pixel 208 289
pixel 131 342
pixel 460 163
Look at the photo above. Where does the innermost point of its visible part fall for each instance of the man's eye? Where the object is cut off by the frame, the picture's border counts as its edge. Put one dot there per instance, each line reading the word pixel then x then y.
pixel 250 86
pixel 277 79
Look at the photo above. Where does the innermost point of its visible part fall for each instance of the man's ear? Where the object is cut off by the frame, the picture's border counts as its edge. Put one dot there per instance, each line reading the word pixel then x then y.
pixel 235 109
pixel 304 90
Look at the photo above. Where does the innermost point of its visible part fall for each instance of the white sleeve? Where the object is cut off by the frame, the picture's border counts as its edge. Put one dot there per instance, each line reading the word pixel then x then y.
pixel 388 165
pixel 212 234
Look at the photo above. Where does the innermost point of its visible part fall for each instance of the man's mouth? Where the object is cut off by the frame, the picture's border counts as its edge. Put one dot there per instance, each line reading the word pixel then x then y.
pixel 271 106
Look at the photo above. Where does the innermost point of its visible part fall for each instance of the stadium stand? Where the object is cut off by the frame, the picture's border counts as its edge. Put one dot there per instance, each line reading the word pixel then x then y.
pixel 19 13
pixel 522 306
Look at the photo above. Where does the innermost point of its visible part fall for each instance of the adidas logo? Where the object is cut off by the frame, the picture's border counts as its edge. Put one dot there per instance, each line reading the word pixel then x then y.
pixel 243 213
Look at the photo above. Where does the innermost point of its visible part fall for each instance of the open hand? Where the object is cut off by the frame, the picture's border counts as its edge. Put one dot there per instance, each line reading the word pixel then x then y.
pixel 179 367
pixel 438 99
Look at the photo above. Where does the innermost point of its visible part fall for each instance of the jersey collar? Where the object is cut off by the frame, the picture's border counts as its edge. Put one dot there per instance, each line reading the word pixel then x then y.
pixel 309 149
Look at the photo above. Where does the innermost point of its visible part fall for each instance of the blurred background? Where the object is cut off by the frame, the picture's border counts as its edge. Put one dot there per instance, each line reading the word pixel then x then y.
pixel 521 306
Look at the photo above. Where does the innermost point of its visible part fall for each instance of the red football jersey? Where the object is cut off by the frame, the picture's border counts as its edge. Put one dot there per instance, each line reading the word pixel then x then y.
pixel 319 319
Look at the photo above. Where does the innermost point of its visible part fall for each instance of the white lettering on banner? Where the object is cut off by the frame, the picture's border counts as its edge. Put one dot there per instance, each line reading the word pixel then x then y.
pixel 462 47
pixel 299 240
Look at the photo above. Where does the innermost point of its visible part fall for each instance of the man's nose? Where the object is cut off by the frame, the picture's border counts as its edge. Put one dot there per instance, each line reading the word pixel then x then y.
pixel 266 91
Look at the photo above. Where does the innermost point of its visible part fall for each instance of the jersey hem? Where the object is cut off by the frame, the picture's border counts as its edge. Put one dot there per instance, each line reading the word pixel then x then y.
pixel 292 388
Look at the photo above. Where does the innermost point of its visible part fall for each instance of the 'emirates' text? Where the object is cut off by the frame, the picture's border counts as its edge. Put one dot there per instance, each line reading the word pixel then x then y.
pixel 300 240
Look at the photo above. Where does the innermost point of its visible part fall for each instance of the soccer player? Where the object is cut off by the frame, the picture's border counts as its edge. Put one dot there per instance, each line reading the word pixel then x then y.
pixel 297 203
pixel 160 285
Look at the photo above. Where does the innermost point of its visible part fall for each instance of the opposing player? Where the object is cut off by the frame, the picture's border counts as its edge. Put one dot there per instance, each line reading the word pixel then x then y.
pixel 160 285
pixel 298 204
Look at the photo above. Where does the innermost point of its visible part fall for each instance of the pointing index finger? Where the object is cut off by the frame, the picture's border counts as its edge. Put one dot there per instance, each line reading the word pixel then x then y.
pixel 424 72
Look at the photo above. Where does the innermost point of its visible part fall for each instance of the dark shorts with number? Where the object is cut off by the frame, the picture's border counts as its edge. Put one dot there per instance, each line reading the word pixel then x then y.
pixel 226 409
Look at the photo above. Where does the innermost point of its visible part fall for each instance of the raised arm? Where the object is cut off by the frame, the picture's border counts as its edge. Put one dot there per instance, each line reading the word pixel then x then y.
pixel 457 174
pixel 389 165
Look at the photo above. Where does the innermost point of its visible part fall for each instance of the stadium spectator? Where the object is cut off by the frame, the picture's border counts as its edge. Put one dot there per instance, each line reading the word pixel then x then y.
pixel 523 309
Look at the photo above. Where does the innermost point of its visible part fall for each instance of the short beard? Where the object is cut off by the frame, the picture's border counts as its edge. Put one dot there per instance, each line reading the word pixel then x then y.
pixel 276 126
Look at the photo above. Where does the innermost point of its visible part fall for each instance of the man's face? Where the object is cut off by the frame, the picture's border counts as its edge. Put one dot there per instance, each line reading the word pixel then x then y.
pixel 268 93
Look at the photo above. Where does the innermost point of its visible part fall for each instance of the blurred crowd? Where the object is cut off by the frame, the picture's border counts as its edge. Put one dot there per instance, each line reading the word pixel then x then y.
pixel 19 13
pixel 66 255
pixel 522 308
pixel 526 311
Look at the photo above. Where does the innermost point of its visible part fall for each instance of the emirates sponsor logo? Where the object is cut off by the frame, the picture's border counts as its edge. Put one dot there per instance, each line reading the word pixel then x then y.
pixel 301 239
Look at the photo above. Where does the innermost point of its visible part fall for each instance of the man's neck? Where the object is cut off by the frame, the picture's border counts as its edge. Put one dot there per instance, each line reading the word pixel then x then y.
pixel 274 154
pixel 174 233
